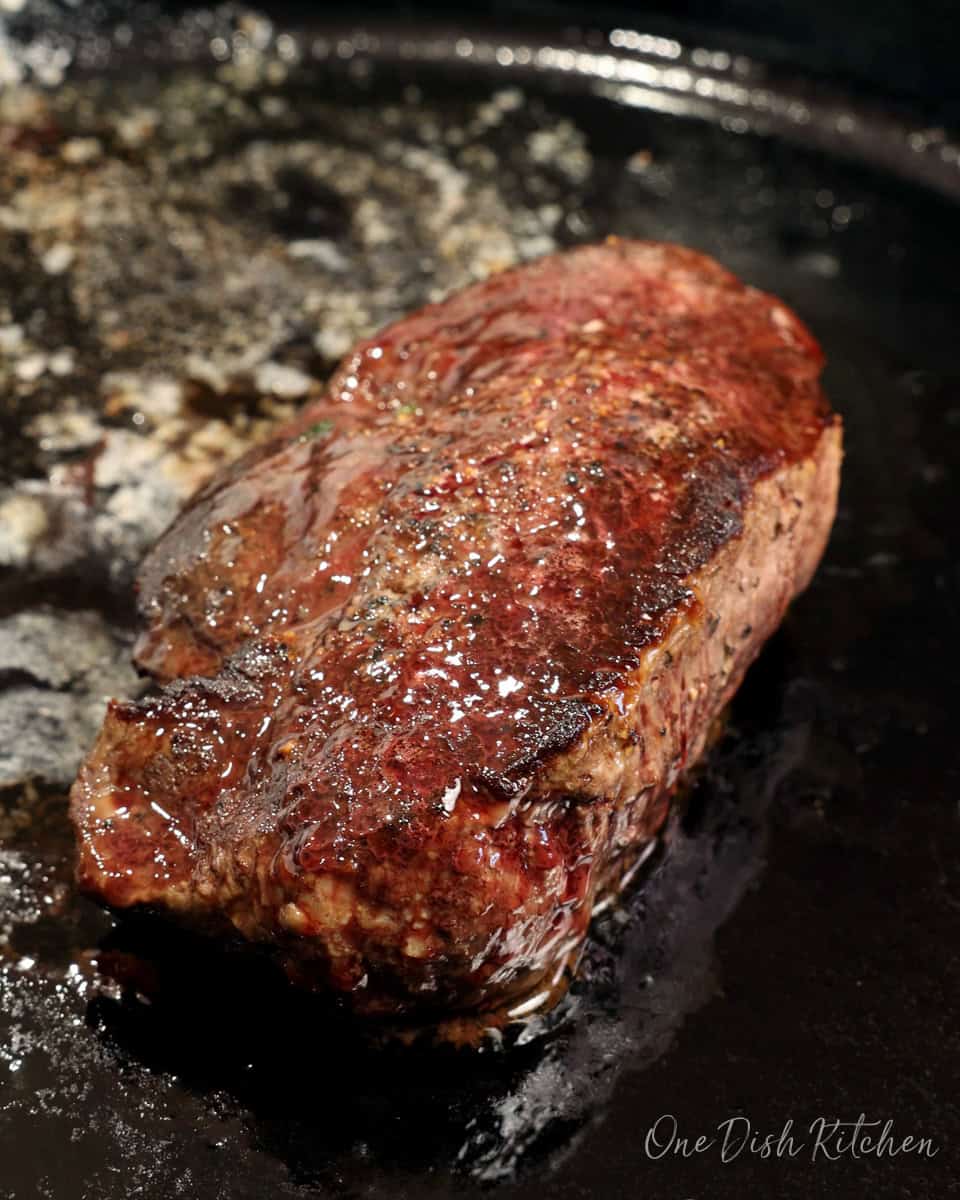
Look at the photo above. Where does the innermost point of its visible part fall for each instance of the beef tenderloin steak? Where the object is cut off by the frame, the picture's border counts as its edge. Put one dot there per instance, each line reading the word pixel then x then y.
pixel 437 654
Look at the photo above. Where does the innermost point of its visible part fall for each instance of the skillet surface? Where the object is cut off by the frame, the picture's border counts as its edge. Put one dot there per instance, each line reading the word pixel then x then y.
pixel 167 287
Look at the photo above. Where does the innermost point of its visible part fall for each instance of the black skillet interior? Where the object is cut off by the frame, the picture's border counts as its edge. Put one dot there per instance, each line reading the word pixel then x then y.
pixel 792 953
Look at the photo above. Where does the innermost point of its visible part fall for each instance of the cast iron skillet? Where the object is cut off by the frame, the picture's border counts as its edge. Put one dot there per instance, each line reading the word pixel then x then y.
pixel 791 954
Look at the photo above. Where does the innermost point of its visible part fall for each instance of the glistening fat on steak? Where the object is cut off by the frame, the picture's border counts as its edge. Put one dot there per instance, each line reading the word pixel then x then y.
pixel 438 653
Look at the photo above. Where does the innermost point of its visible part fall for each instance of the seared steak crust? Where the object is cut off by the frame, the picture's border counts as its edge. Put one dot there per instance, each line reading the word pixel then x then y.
pixel 440 650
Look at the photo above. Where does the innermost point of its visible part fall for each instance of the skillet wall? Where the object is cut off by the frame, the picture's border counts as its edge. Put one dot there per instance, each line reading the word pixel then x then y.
pixel 905 49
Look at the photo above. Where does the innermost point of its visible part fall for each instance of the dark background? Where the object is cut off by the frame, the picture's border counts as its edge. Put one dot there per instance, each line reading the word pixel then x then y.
pixel 907 51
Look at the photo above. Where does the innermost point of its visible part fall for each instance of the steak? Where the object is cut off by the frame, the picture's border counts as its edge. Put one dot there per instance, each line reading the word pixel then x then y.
pixel 436 655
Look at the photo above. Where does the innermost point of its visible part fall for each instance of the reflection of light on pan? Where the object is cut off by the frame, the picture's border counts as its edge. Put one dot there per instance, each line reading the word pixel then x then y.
pixel 653 72
pixel 661 75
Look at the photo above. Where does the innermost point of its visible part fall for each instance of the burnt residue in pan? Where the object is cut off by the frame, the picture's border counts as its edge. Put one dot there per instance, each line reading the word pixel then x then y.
pixel 168 287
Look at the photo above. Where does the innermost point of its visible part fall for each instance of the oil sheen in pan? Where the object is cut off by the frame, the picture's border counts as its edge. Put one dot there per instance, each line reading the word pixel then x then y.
pixel 131 372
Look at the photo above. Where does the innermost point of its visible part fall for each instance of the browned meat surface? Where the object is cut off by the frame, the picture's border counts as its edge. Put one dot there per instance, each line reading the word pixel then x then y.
pixel 439 652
